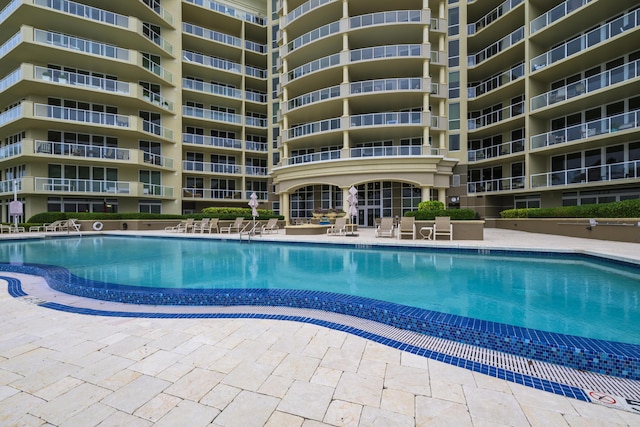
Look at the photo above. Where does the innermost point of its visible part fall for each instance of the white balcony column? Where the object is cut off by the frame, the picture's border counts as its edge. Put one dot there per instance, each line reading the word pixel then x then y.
pixel 345 8
pixel 285 209
pixel 345 200
pixel 426 193
pixel 442 196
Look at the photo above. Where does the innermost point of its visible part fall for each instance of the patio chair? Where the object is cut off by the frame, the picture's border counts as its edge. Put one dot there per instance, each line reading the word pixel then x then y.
pixel 385 229
pixel 5 228
pixel 339 227
pixel 72 225
pixel 186 226
pixel 55 226
pixel 271 226
pixel 235 226
pixel 407 227
pixel 200 225
pixel 442 227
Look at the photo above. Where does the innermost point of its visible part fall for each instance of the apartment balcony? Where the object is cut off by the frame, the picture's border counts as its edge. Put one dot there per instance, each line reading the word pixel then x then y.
pixel 588 176
pixel 229 11
pixel 494 185
pixel 496 117
pixel 211 115
pixel 476 90
pixel 388 152
pixel 257 122
pixel 205 167
pixel 623 73
pixel 202 39
pixel 312 158
pixel 211 89
pixel 492 16
pixel 211 62
pixel 212 141
pixel 211 194
pixel 496 151
pixel 261 195
pixel 555 14
pixel 303 10
pixel 256 171
pixel 496 48
pixel 90 187
pixel 262 147
pixel 608 126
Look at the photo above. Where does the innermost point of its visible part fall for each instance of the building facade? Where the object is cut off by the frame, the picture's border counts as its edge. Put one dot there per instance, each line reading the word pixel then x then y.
pixel 170 106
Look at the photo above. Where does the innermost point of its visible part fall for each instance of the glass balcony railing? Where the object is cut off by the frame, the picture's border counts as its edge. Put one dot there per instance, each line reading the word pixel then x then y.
pixel 256 170
pixel 157 129
pixel 211 141
pixel 81 45
pixel 386 85
pixel 255 96
pixel 157 159
pixel 619 122
pixel 211 61
pixel 11 114
pixel 477 89
pixel 392 51
pixel 305 8
pixel 588 40
pixel 212 88
pixel 156 69
pixel 611 77
pixel 587 175
pixel 260 73
pixel 231 11
pixel 157 8
pixel 318 64
pixel 492 16
pixel 402 150
pixel 390 17
pixel 9 9
pixel 78 115
pixel 255 46
pixel 80 150
pixel 494 151
pixel 207 193
pixel 315 34
pixel 80 80
pixel 383 119
pixel 10 44
pixel 500 184
pixel 193 166
pixel 315 127
pixel 8 185
pixel 157 190
pixel 157 99
pixel 312 157
pixel 316 96
pixel 86 12
pixel 158 40
pixel 499 46
pixel 219 116
pixel 555 14
pixel 260 122
pixel 81 185
pixel 211 35
pixel 10 79
pixel 256 146
pixel 11 150
pixel 493 117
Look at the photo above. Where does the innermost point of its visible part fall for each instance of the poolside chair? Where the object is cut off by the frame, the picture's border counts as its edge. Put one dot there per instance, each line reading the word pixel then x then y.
pixel 55 226
pixel 271 226
pixel 339 227
pixel 442 227
pixel 5 228
pixel 186 226
pixel 407 227
pixel 235 226
pixel 72 225
pixel 200 225
pixel 385 229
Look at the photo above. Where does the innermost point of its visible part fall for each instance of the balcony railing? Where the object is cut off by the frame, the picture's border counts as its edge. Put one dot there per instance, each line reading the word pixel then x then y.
pixel 402 150
pixel 162 12
pixel 157 129
pixel 259 73
pixel 501 184
pixel 211 35
pixel 493 117
pixel 383 119
pixel 156 190
pixel 157 159
pixel 588 40
pixel 82 45
pixel 254 96
pixel 211 141
pixel 315 34
pixel 9 9
pixel 386 85
pixel 256 146
pixel 156 69
pixel 262 195
pixel 499 46
pixel 10 79
pixel 316 127
pixel 555 14
pixel 211 61
pixel 231 11
pixel 80 80
pixel 86 12
pixel 212 88
pixel 11 114
pixel 312 157
pixel 392 51
pixel 78 115
pixel 10 44
pixel 587 175
pixel 492 16
pixel 207 193
pixel 256 170
pixel 219 116
pixel 312 97
pixel 255 46
pixel 157 99
pixel 304 8
pixel 158 40
pixel 258 122
pixel 194 166
pixel 616 75
pixel 80 150
pixel 81 186
pixel 619 122
pixel 11 150
pixel 390 17
pixel 318 64
pixel 503 149
pixel 477 89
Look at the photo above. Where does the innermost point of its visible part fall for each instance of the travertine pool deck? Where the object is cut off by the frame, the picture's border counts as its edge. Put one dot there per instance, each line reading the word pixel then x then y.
pixel 60 368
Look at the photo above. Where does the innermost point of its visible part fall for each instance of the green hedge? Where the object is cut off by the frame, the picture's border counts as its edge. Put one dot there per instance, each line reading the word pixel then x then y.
pixel 233 213
pixel 623 209
pixel 454 214
pixel 48 217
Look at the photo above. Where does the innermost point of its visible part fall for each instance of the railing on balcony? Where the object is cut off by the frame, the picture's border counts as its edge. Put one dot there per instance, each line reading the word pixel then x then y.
pixel 231 11
pixel 312 97
pixel 477 89
pixel 318 64
pixel 500 184
pixel 211 35
pixel 11 114
pixel 80 150
pixel 503 149
pixel 10 44
pixel 156 190
pixel 259 122
pixel 377 119
pixel 11 150
pixel 616 75
pixel 304 8
pixel 10 79
pixel 312 157
pixel 81 185
pixel 155 6
pixel 402 150
pixel 156 69
pixel 255 46
pixel 78 115
pixel 256 146
pixel 207 193
pixel 157 159
pixel 315 34
pixel 211 61
pixel 588 40
pixel 158 40
pixel 157 129
pixel 157 99
pixel 619 122
pixel 262 195
pixel 587 175
pixel 8 185
pixel 256 170
pixel 386 85
pixel 9 9
pixel 256 72
pixel 315 127
pixel 380 18
pixel 86 12
pixel 492 16
pixel 213 88
pixel 493 117
pixel 555 14
pixel 220 116
pixel 211 141
pixel 392 51
pixel 80 80
pixel 255 96
pixel 499 46
pixel 81 45
pixel 226 168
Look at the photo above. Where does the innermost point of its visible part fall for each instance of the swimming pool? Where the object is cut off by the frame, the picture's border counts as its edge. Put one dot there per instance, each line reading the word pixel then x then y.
pixel 510 295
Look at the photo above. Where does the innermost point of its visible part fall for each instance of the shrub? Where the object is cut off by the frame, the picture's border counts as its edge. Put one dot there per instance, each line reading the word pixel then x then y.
pixel 233 213
pixel 431 205
pixel 623 209
pixel 454 214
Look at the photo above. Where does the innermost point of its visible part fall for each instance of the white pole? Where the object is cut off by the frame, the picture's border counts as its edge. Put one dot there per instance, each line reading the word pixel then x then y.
pixel 15 199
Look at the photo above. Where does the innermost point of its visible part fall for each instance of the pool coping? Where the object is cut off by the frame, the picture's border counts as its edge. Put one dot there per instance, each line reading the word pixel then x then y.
pixel 599 356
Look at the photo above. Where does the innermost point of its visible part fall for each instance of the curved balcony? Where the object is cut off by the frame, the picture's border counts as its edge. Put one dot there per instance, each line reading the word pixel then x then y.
pixel 211 61
pixel 230 11
pixel 313 66
pixel 555 14
pixel 494 117
pixel 212 35
pixel 609 125
pixel 313 35
pixel 390 51
pixel 312 157
pixel 492 16
pixel 81 80
pixel 79 44
pixel 211 141
pixel 504 149
pixel 304 9
pixel 478 89
pixel 86 12
pixel 314 128
pixel 491 185
pixel 501 45
pixel 211 88
pixel 385 119
pixel 55 185
pixel 386 85
pixel 205 167
pixel 78 115
pixel 219 116
pixel 390 17
pixel 393 151
pixel 587 175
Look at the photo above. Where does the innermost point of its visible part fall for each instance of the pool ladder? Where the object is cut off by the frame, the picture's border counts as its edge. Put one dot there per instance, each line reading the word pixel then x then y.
pixel 250 229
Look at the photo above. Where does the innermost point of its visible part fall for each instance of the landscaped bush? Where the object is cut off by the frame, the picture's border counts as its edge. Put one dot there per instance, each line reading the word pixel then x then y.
pixel 48 217
pixel 454 214
pixel 623 209
pixel 233 213
pixel 431 205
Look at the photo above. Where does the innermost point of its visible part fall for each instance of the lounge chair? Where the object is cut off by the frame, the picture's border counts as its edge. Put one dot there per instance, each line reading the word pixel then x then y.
pixel 442 227
pixel 5 228
pixel 271 226
pixel 385 229
pixel 407 227
pixel 207 224
pixel 235 226
pixel 339 227
pixel 72 225
pixel 55 226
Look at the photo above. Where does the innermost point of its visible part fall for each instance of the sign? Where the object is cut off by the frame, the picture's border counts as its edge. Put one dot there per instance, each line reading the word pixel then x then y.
pixel 15 208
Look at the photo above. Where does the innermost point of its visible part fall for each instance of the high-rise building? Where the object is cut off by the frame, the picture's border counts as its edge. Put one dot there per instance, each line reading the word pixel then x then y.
pixel 171 106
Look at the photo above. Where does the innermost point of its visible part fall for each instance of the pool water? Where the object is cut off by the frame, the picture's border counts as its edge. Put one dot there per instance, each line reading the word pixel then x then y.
pixel 565 294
